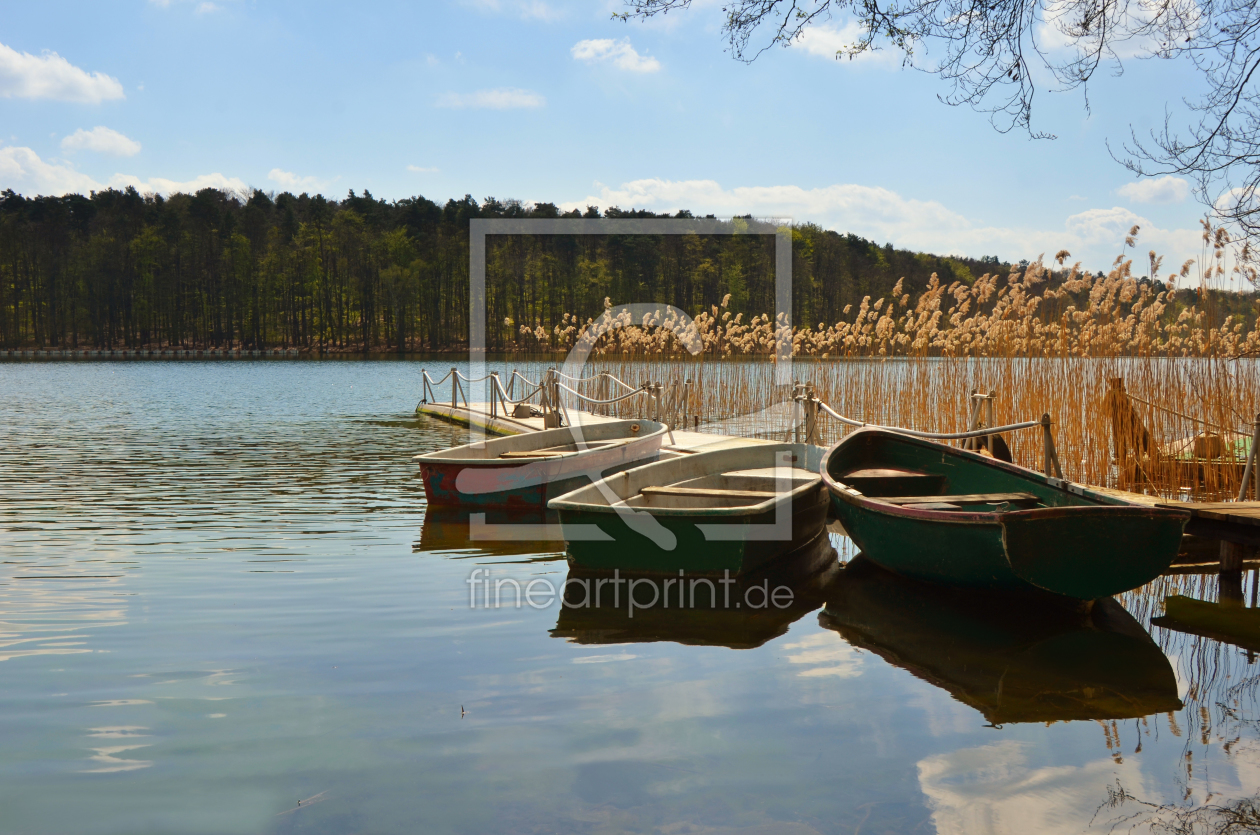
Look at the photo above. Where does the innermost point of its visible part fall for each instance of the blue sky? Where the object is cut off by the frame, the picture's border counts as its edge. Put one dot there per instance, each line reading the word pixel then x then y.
pixel 552 100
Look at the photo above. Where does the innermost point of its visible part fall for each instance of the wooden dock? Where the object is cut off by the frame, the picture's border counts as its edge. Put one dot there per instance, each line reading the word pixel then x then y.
pixel 477 416
pixel 1236 525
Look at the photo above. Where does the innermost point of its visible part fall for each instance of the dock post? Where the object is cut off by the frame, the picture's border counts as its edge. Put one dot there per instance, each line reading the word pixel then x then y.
pixel 1051 457
pixel 974 403
pixel 1231 556
pixel 454 385
pixel 811 414
pixel 1250 470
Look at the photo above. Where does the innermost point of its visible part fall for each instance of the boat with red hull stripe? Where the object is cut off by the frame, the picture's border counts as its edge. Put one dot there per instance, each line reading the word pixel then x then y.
pixel 521 472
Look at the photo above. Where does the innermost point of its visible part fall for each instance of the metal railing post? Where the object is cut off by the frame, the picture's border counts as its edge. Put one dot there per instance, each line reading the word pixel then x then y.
pixel 797 390
pixel 811 415
pixel 989 421
pixel 1250 469
pixel 454 385
pixel 973 418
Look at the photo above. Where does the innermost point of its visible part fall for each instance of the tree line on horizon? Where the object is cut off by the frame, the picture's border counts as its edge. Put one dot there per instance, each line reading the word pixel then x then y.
pixel 219 270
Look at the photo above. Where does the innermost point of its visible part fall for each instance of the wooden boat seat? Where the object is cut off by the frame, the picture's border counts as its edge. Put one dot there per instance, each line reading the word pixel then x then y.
pixel 709 492
pixel 567 449
pixel 889 481
pixel 1022 499
pixel 533 453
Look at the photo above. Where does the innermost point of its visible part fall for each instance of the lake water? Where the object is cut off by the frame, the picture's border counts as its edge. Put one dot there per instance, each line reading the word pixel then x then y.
pixel 220 596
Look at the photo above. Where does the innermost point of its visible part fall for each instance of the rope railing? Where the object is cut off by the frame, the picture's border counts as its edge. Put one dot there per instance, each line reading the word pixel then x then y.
pixel 1206 423
pixel 592 401
pixel 603 375
pixel 505 397
pixel 931 436
pixel 1051 456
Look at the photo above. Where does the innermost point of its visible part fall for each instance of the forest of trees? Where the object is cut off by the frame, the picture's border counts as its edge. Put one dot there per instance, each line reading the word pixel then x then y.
pixel 217 270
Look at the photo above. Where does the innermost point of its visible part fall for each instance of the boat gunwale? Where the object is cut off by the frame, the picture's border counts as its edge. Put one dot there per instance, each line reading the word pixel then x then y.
pixel 1103 504
pixel 439 457
pixel 564 503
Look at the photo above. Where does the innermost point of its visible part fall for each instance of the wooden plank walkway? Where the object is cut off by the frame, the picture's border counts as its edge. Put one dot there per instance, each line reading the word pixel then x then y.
pixel 1231 521
pixel 1236 525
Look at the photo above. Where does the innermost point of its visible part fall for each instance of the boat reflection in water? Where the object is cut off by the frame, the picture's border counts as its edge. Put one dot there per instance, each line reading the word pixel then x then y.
pixel 745 612
pixel 492 532
pixel 1014 660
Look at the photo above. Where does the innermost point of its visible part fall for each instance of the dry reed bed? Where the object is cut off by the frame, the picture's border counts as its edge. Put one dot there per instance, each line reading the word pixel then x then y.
pixel 1043 346
pixel 932 394
pixel 1023 314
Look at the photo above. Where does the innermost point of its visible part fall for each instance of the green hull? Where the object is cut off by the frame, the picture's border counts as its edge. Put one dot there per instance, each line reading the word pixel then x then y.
pixel 699 540
pixel 1074 543
pixel 631 551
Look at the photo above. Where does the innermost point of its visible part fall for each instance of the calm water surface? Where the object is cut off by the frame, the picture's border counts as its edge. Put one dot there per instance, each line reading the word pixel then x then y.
pixel 220 596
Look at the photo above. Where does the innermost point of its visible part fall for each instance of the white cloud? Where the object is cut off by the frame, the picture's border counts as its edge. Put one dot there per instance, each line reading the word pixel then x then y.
pixel 502 98
pixel 161 185
pixel 206 8
pixel 294 182
pixel 22 170
pixel 527 9
pixel 990 790
pixel 49 76
pixel 827 40
pixel 102 140
pixel 417 169
pixel 1166 189
pixel 825 654
pixel 620 53
pixel 1094 236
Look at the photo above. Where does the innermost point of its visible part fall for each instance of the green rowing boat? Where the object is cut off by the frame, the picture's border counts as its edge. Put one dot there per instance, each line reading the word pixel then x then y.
pixel 730 510
pixel 943 515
